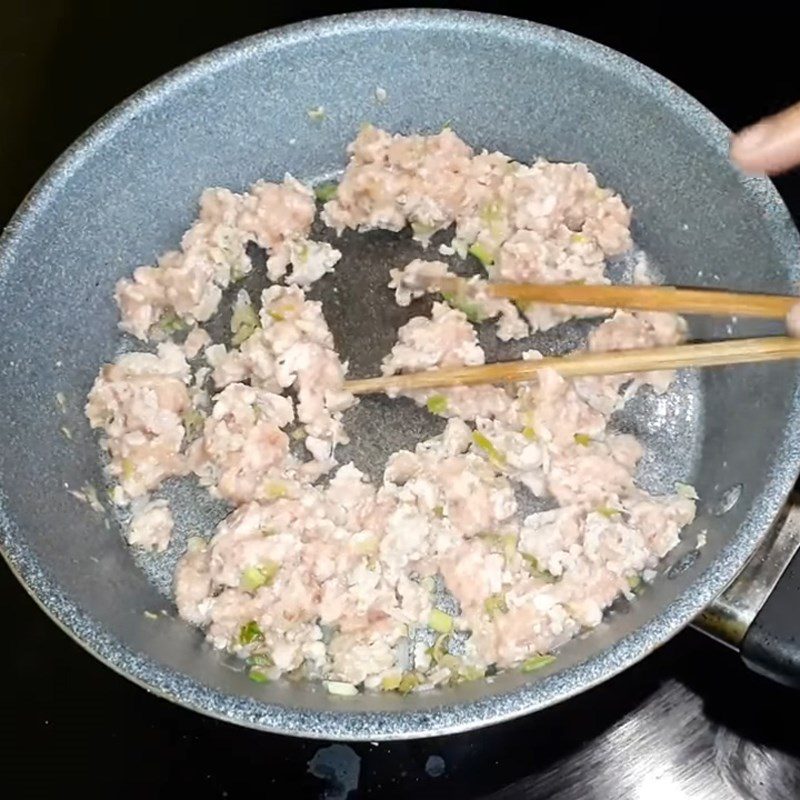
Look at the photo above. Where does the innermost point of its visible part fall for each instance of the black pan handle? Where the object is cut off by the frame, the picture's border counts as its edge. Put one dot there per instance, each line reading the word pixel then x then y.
pixel 771 645
pixel 759 613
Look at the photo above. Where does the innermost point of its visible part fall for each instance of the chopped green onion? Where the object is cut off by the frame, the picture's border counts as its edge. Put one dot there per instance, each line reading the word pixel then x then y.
pixel 609 512
pixel 257 676
pixel 341 688
pixel 298 434
pixel 686 490
pixel 437 404
pixel 438 511
pixel 440 621
pixel 408 683
pixel 495 604
pixel 482 254
pixel 583 439
pixel 259 660
pixel 326 191
pixel 274 490
pixel 472 311
pixel 128 469
pixel 390 683
pixel 250 632
pixel 277 316
pixel 536 570
pixel 171 323
pixel 438 650
pixel 537 662
pixel 422 231
pixel 67 432
pixel 193 422
pixel 494 454
pixel 316 114
pixel 634 581
pixel 150 615
pixel 244 323
pixel 470 673
pixel 529 433
pixel 579 238
pixel 255 577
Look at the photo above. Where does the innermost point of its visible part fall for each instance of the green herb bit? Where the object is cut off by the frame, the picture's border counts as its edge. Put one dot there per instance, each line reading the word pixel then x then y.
pixel 537 662
pixel 408 683
pixel 391 683
pixel 250 632
pixel 150 615
pixel 529 433
pixel 275 491
pixel 277 316
pixel 316 114
pixel 579 238
pixel 259 660
pixel 257 676
pixel 193 422
pixel 255 577
pixel 609 512
pixel 437 404
pixel 171 323
pixel 491 451
pixel 128 469
pixel 482 254
pixel 326 191
pixel 472 311
pixel 536 570
pixel 438 650
pixel 470 673
pixel 583 439
pixel 438 511
pixel 440 621
pixel 634 581
pixel 495 604
pixel 422 231
pixel 67 433
pixel 244 323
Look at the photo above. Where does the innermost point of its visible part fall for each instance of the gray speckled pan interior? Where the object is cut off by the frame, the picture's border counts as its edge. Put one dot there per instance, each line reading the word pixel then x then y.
pixel 128 189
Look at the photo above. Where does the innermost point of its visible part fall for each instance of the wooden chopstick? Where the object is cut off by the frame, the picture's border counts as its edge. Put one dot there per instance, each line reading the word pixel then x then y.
pixel 735 351
pixel 650 298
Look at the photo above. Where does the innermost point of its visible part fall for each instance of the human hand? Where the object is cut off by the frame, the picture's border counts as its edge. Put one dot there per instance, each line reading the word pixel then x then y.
pixel 771 145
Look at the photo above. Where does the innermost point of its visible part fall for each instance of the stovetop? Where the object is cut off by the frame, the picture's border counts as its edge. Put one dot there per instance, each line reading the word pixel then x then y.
pixel 688 722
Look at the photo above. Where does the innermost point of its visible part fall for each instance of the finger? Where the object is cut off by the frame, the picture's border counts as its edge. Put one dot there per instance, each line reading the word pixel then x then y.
pixel 771 145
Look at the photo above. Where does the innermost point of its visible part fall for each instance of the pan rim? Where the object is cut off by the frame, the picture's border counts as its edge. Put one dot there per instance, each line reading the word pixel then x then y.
pixel 455 717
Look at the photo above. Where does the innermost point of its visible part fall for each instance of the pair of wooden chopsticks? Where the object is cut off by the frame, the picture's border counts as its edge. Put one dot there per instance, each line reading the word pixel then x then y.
pixel 642 298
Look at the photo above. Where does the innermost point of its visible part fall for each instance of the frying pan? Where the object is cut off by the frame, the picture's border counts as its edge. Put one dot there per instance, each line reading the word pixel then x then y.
pixel 127 190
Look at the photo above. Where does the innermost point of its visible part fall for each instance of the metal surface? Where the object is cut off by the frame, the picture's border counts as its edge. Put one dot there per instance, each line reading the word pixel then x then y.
pixel 126 191
pixel 730 615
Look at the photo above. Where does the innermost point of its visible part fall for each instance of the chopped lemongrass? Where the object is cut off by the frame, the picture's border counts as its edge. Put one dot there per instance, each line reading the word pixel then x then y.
pixel 341 688
pixel 583 439
pixel 609 512
pixel 482 254
pixel 537 662
pixel 495 604
pixel 171 323
pixel 250 632
pixel 255 577
pixel 326 191
pixel 408 683
pixel 686 490
pixel 485 444
pixel 391 683
pixel 529 433
pixel 193 422
pixel 437 404
pixel 440 621
pixel 257 676
pixel 316 114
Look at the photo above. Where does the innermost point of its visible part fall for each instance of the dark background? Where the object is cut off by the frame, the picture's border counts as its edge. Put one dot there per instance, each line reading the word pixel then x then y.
pixel 69 724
